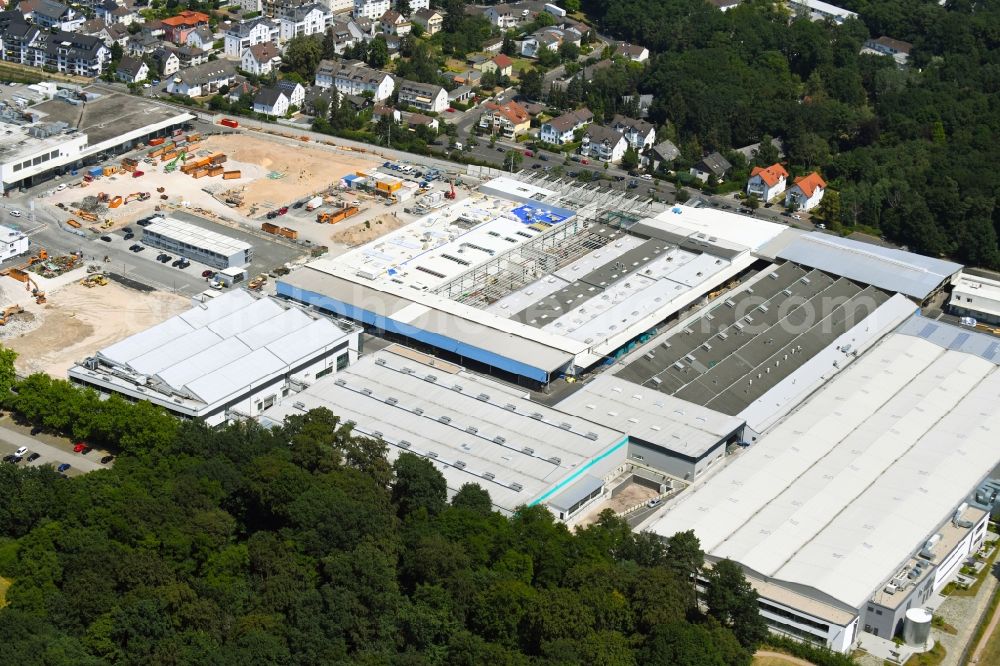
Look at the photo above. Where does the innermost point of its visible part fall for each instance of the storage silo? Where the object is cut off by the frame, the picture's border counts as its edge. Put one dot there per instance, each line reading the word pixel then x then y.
pixel 917 627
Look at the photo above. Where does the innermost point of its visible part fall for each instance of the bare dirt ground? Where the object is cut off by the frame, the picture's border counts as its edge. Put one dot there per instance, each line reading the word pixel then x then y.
pixel 631 495
pixel 77 321
pixel 359 232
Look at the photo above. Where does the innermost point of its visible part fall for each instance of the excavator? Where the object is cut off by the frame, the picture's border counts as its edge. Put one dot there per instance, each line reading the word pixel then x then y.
pixel 18 271
pixel 171 166
pixel 32 286
pixel 9 312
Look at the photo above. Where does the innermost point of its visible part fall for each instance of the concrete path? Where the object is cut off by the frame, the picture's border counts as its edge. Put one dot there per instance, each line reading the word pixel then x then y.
pixel 11 440
pixel 990 628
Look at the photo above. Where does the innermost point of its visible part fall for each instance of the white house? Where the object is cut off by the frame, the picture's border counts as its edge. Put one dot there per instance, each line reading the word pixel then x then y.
pixel 295 93
pixel 546 38
pixel 261 59
pixel 167 63
pixel 806 192
pixel 817 10
pixel 506 16
pixel 353 78
pixel 633 52
pixel 639 133
pixel 50 14
pixel 303 21
pixel 371 9
pixel 887 46
pixel 604 144
pixel 765 183
pixel 416 5
pixel 423 96
pixel 201 80
pixel 201 38
pixel 132 70
pixel 393 23
pixel 430 20
pixel 271 102
pixel 248 6
pixel 560 130
pixel 12 243
pixel 245 34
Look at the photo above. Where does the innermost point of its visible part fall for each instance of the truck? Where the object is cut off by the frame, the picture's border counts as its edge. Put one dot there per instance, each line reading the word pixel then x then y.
pixel 314 203
pixel 431 175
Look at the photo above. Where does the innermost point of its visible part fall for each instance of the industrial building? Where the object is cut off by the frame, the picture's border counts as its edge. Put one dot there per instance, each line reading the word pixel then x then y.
pixel 976 297
pixel 12 243
pixel 197 243
pixel 227 358
pixel 854 508
pixel 74 129
pixel 519 285
pixel 474 430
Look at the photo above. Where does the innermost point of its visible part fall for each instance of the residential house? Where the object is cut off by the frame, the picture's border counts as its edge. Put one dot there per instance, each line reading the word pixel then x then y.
pixel 470 77
pixel 416 5
pixel 633 52
pixel 271 102
pixel 201 38
pixel 110 12
pixel 165 62
pixel 354 78
pixel 750 151
pixel 295 92
pixel 240 86
pixel 662 155
pixel 603 143
pixel 642 103
pixel 261 59
pixel 116 33
pixel 414 120
pixel 58 50
pixel 887 46
pixel 431 21
pixel 393 23
pixel 303 21
pixel 343 35
pixel 713 164
pixel 249 6
pixel 806 192
pixel 202 80
pixel 559 131
pixel 132 70
pixel 371 9
pixel 460 95
pixel 639 134
pixel 492 46
pixel 365 26
pixel 142 43
pixel 506 16
pixel 546 38
pixel 817 10
pixel 507 120
pixel 765 183
pixel 338 6
pixel 51 14
pixel 188 56
pixel 243 35
pixel 177 28
pixel 500 65
pixel 423 96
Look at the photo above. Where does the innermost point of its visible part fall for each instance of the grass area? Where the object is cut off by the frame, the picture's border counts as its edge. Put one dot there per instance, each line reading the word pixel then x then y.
pixel 993 646
pixel 12 71
pixel 991 653
pixel 932 658
pixel 938 623
pixel 455 65
pixel 772 661
pixel 4 584
pixel 521 64
pixel 955 590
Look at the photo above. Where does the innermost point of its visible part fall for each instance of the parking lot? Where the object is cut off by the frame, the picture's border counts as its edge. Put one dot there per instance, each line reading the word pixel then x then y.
pixel 51 450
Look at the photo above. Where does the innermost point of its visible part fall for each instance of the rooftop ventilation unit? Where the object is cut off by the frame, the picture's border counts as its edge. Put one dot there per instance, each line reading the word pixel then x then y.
pixel 748 319
pixel 730 303
pixel 706 346
pixel 431 378
pixel 762 307
pixel 566 426
pixel 485 397
pixel 555 460
pixel 391 401
pixel 656 380
pixel 444 419
pixel 366 391
pixel 489 475
pixel 536 415
pixel 689 358
pixel 772 276
pixel 377 434
pixel 528 451
pixel 432 454
pixel 403 444
pixel 418 411
pixel 472 429
pixel 678 365
pixel 340 382
pixel 499 439
pixel 804 280
pixel 460 464
pixel 299 405
pixel 457 387
pixel 591 436
pixel 407 370
pixel 380 361
pixel 786 292
pixel 722 335
pixel 516 487
pixel 510 407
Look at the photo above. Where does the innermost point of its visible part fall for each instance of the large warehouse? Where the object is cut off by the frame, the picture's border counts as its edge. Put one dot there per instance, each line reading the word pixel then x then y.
pixel 227 358
pixel 531 290
pixel 853 508
pixel 473 430
pixel 75 129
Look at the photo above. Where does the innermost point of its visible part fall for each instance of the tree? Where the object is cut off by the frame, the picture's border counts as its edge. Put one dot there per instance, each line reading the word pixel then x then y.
pixel 471 496
pixel 751 202
pixel 508 48
pixel 418 485
pixel 828 210
pixel 403 7
pixel 732 600
pixel 302 56
pixel 378 55
pixel 512 160
pixel 531 84
pixel 329 44
pixel 8 375
pixel 630 160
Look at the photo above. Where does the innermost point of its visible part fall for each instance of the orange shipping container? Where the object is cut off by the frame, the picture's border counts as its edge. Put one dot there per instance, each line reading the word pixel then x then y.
pixel 156 142
pixel 269 228
pixel 200 173
pixel 230 175
pixel 73 223
pixel 216 171
pixel 288 233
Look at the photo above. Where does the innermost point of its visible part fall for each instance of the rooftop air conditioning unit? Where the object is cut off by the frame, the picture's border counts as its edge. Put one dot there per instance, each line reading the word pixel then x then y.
pixel 528 451
pixel 472 430
pixel 380 361
pixel 432 454
pixel 418 411
pixel 500 440
pixel 483 396
pixel 555 460
pixel 536 415
pixel 299 405
pixel 489 475
pixel 431 378
pixel 403 444
pixel 391 401
pixel 510 407
pixel 516 487
pixel 377 434
pixel 340 382
pixel 444 419
pixel 366 391
pixel 457 387
pixel 566 426
pixel 460 464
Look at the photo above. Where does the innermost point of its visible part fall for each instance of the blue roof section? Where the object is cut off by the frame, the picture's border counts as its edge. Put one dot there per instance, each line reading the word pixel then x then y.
pixel 949 336
pixel 893 270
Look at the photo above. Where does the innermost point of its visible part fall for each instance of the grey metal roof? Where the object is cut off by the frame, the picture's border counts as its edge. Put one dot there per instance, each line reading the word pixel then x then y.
pixel 894 270
pixel 951 337
pixel 583 487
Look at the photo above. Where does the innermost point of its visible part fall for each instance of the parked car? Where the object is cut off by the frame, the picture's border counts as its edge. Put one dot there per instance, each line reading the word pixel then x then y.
pixel 528 153
pixel 11 458
pixel 543 157
pixel 165 258
pixel 15 213
pixel 21 451
pixel 208 274
pixel 63 467
pixel 282 210
pixel 144 223
pixel 78 447
pixel 968 321
pixel 106 459
pixel 34 456
pixel 584 161
pixel 61 187
pixel 646 176
pixel 106 239
pixel 536 165
pixel 653 502
pixel 501 149
pixel 177 263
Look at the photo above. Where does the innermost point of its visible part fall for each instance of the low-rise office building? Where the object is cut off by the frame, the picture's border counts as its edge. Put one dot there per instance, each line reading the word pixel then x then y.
pixel 193 242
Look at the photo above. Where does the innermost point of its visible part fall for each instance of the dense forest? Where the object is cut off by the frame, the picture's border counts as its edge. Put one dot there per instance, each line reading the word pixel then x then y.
pixel 909 151
pixel 304 545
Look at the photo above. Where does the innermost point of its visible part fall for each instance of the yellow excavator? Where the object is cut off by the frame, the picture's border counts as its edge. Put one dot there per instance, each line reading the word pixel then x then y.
pixel 10 312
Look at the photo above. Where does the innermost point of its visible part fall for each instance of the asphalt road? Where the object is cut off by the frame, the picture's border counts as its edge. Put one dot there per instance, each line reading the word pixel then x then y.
pixel 11 440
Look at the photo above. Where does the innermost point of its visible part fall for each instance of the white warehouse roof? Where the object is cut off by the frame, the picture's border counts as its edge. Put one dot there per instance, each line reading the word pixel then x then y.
pixel 847 487
pixel 192 234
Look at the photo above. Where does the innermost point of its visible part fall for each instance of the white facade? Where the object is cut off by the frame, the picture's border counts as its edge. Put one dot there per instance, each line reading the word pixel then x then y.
pixel 371 9
pixel 251 5
pixel 767 183
pixel 241 37
pixel 357 80
pixel 227 358
pixel 12 243
pixel 278 107
pixel 974 296
pixel 423 96
pixel 250 63
pixel 312 22
pixel 805 196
